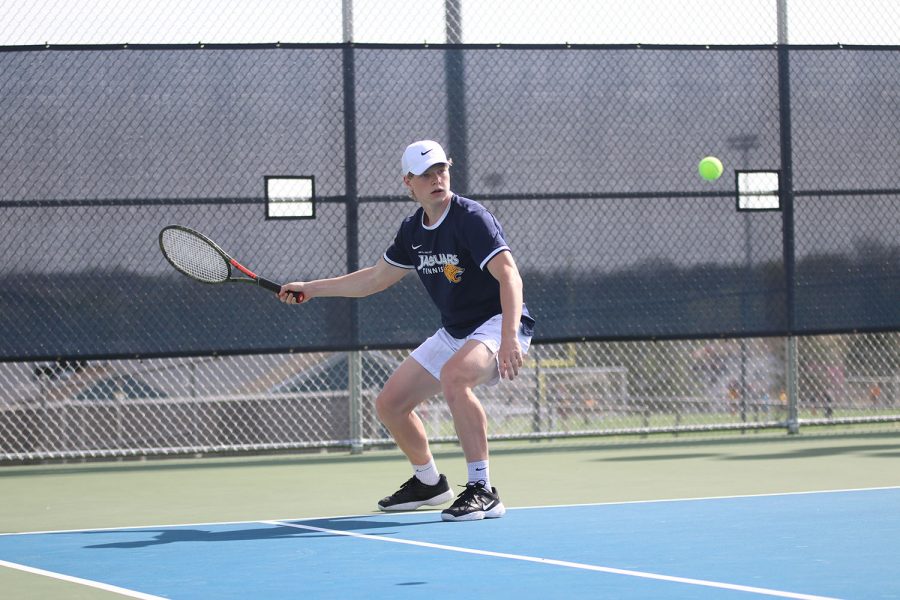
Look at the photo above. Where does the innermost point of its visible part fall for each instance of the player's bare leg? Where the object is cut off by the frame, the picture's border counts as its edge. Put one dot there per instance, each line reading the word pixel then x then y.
pixel 409 386
pixel 471 366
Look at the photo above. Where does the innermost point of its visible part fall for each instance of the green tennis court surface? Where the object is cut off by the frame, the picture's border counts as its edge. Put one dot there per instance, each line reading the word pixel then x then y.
pixel 269 533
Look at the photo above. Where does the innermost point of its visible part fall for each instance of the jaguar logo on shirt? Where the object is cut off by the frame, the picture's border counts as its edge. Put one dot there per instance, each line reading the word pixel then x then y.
pixel 453 273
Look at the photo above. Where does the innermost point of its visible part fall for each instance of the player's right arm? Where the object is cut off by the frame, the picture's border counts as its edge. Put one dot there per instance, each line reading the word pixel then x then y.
pixel 358 284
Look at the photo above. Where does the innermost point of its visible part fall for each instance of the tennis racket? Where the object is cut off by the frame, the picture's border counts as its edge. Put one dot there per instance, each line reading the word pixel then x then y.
pixel 198 257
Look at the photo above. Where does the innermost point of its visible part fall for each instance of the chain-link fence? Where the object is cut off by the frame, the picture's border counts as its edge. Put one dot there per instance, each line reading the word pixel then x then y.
pixel 190 405
pixel 663 303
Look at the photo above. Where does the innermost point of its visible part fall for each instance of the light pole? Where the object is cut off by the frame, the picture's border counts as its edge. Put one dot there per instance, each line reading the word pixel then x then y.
pixel 745 143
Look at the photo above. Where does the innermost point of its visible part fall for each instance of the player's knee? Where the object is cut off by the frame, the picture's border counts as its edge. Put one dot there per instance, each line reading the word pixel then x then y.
pixel 455 379
pixel 387 407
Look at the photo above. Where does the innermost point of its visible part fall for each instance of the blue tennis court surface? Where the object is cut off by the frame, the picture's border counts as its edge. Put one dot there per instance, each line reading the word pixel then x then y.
pixel 838 544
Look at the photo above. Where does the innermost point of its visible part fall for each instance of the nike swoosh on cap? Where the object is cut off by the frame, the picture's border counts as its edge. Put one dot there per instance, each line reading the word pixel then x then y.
pixel 427 151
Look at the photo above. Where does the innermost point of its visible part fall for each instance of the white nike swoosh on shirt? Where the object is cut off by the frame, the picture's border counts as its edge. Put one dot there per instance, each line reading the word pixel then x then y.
pixel 417 247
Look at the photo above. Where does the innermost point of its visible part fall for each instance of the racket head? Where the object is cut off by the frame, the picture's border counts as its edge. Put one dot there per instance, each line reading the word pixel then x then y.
pixel 195 255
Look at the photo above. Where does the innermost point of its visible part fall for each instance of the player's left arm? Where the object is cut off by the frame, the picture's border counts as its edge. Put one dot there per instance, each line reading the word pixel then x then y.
pixel 503 268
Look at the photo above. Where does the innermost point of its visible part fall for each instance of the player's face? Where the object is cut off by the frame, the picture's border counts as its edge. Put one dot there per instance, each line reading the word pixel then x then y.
pixel 431 186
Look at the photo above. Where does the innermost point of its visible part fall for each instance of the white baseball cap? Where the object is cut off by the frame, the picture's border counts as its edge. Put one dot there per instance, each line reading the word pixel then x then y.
pixel 418 156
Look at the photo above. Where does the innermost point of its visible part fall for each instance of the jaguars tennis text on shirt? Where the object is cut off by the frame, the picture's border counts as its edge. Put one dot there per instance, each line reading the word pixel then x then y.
pixel 428 263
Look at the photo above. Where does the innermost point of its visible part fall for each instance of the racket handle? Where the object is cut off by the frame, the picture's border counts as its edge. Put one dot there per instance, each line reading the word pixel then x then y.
pixel 271 285
pixel 268 284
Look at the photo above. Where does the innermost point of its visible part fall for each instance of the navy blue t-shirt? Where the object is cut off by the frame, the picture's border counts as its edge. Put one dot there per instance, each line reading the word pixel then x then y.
pixel 451 257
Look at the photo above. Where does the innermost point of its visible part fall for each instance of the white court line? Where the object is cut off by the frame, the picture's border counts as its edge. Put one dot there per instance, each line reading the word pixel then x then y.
pixel 707 498
pixel 516 508
pixel 126 528
pixel 561 563
pixel 88 582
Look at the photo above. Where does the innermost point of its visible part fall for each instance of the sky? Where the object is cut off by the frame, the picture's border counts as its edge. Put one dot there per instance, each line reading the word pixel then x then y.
pixel 29 22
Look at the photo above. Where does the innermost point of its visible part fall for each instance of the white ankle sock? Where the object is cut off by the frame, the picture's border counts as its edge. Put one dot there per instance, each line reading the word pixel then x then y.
pixel 427 473
pixel 479 471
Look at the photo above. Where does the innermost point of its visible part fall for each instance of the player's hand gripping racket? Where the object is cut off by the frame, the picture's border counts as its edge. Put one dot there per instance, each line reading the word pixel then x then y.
pixel 200 258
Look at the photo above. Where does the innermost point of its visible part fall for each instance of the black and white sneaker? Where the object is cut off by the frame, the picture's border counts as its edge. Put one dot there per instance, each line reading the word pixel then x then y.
pixel 475 503
pixel 414 494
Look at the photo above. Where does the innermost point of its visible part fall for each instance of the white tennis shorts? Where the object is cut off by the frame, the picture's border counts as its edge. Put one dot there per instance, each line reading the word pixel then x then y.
pixel 434 352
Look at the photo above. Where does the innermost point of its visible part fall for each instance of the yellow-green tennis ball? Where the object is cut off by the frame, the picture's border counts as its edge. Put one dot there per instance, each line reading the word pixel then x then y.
pixel 710 168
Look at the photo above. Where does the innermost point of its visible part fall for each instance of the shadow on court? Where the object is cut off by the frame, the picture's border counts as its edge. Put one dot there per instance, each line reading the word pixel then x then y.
pixel 869 449
pixel 181 535
pixel 673 456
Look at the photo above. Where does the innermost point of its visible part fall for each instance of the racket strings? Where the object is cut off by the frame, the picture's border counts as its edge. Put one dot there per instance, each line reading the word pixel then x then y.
pixel 194 256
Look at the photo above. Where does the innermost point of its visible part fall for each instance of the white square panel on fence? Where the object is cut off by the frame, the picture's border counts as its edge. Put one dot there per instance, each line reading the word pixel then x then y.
pixel 290 197
pixel 758 190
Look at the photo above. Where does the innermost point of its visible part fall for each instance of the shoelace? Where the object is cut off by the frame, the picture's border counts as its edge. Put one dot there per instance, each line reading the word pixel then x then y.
pixel 468 494
pixel 403 486
pixel 395 497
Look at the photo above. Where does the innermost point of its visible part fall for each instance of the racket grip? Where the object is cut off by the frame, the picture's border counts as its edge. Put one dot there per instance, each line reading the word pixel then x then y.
pixel 275 287
pixel 268 284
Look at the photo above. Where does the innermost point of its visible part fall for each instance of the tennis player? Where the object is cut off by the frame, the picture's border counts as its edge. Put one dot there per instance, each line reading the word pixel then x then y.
pixel 458 250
